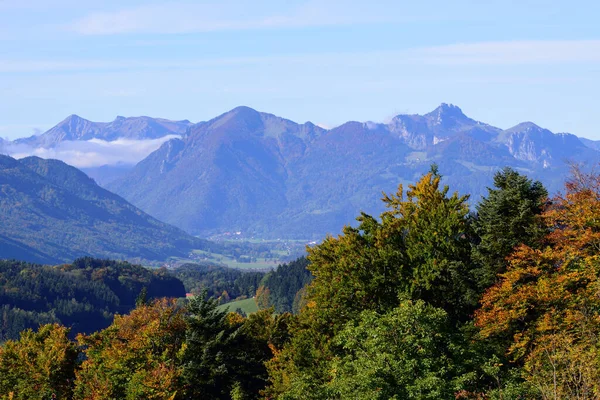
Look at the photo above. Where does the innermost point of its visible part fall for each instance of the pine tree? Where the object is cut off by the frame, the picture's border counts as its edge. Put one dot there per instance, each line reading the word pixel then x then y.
pixel 507 217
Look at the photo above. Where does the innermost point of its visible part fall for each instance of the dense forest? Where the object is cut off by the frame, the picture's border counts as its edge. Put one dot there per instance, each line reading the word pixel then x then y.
pixel 428 301
pixel 83 295
pixel 281 288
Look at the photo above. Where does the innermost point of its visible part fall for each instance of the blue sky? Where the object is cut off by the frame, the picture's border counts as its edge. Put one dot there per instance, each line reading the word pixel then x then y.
pixel 502 62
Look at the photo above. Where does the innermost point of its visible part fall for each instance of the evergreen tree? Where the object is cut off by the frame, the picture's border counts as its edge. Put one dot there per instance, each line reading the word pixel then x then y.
pixel 221 355
pixel 507 217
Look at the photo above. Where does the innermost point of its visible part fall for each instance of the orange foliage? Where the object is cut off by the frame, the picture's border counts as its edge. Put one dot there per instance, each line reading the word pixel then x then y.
pixel 547 305
pixel 136 357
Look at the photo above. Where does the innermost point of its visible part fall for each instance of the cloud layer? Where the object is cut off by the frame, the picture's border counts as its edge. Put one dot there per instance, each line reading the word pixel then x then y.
pixel 190 17
pixel 91 153
pixel 523 52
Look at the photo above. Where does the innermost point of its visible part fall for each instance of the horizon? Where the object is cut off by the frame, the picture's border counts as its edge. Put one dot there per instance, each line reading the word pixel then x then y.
pixel 327 62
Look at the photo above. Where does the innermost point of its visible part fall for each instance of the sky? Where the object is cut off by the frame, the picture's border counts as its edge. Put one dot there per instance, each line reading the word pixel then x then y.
pixel 502 62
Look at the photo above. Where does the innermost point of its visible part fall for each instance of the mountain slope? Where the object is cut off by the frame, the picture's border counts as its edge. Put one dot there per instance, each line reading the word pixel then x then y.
pixel 52 212
pixel 239 158
pixel 267 176
pixel 529 142
pixel 76 128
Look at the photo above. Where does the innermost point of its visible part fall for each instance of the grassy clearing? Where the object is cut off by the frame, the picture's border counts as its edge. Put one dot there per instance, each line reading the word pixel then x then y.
pixel 247 305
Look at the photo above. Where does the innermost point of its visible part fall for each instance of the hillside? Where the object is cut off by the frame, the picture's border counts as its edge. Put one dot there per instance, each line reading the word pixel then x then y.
pixel 83 295
pixel 264 175
pixel 52 213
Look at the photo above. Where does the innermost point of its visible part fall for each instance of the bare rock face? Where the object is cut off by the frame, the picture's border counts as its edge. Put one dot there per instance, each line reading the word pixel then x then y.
pixel 529 142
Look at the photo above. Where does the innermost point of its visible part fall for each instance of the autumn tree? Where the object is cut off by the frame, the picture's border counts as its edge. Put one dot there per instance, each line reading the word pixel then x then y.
pixel 419 250
pixel 137 357
pixel 262 297
pixel 546 304
pixel 38 364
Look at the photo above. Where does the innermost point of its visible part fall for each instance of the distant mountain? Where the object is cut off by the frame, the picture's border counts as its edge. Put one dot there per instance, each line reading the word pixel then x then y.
pixel 106 174
pixel 76 128
pixel 529 142
pixel 420 132
pixel 239 158
pixel 264 175
pixel 592 144
pixel 52 212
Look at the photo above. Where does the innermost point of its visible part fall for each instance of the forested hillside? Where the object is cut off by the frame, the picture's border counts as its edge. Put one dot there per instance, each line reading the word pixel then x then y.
pixel 427 301
pixel 52 212
pixel 282 288
pixel 285 287
pixel 217 281
pixel 83 296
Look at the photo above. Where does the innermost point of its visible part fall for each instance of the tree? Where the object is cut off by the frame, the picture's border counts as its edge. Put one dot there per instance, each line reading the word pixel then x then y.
pixel 224 354
pixel 546 304
pixel 262 297
pixel 137 357
pixel 419 250
pixel 400 354
pixel 38 364
pixel 507 217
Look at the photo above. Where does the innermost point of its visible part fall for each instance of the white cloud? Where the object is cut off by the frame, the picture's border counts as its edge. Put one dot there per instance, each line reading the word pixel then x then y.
pixel 92 153
pixel 173 18
pixel 462 54
pixel 510 53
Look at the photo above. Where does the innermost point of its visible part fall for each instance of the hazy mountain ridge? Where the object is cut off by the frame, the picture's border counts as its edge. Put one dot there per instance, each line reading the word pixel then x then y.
pixel 75 128
pixel 256 172
pixel 260 173
pixel 52 212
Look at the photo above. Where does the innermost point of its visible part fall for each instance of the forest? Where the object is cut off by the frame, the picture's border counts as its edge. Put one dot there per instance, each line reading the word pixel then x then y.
pixel 431 300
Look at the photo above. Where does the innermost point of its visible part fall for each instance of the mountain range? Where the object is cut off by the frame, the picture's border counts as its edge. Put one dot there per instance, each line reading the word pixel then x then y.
pixel 264 175
pixel 75 128
pixel 271 177
pixel 52 212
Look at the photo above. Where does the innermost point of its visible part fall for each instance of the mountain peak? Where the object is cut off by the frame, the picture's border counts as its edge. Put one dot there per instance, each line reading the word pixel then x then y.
pixel 243 111
pixel 73 118
pixel 447 110
pixel 525 127
pixel 241 116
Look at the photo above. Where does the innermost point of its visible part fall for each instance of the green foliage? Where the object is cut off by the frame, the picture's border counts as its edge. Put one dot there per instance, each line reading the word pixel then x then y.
pixel 420 250
pixel 83 295
pixel 507 217
pixel 214 280
pixel 402 354
pixel 285 282
pixel 434 239
pixel 221 355
pixel 38 364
